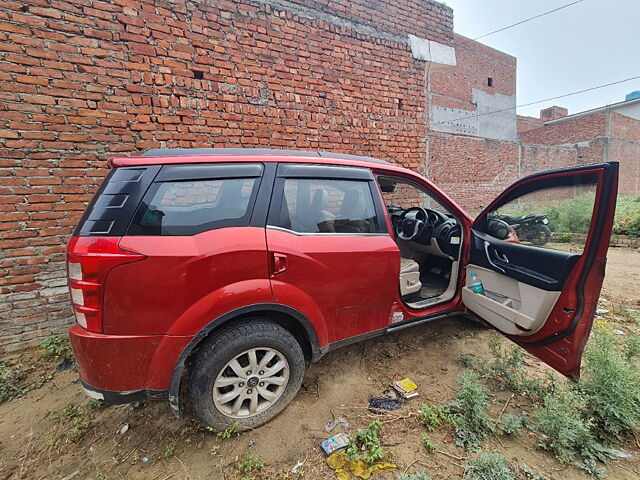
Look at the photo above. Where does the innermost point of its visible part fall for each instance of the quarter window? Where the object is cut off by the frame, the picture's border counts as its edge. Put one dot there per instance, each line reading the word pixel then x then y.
pixel 328 206
pixel 190 207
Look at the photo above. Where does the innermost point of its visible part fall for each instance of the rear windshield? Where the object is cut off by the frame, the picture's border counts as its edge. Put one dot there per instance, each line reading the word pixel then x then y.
pixel 194 206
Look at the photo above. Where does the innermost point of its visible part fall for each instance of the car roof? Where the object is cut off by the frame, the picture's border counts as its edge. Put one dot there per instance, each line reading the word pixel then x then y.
pixel 172 156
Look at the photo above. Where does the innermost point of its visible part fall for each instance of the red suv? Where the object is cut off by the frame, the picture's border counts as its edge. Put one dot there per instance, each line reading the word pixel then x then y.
pixel 215 275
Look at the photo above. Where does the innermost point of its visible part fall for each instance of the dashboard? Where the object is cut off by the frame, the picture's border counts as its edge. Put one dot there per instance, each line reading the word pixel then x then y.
pixel 441 236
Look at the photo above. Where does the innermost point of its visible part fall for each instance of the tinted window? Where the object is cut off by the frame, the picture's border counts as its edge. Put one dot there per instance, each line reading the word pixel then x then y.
pixel 327 206
pixel 190 207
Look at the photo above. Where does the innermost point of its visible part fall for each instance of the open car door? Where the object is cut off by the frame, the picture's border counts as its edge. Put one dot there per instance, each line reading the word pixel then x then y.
pixel 544 297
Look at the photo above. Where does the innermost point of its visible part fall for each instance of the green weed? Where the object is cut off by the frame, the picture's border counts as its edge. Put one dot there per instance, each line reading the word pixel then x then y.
pixel 565 432
pixel 9 383
pixel 427 443
pixel 76 419
pixel 530 474
pixel 250 463
pixel 632 347
pixel 169 450
pixel 467 412
pixel 432 416
pixel 228 432
pixel 365 444
pixel 413 476
pixel 506 366
pixel 511 424
pixel 488 466
pixel 56 347
pixel 610 387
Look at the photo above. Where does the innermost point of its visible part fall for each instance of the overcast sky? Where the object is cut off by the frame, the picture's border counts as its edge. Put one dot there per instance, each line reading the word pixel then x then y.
pixel 588 44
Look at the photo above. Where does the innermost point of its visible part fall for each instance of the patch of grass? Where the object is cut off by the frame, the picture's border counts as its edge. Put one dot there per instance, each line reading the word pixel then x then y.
pixel 488 466
pixel 565 432
pixel 250 463
pixel 467 412
pixel 56 347
pixel 9 383
pixel 432 416
pixel 610 387
pixel 511 424
pixel 365 444
pixel 427 443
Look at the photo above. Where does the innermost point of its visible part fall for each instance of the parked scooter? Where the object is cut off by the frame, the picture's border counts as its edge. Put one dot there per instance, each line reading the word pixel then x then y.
pixel 529 228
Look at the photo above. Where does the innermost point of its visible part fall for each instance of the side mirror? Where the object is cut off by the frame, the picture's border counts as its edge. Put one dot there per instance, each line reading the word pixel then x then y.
pixel 498 228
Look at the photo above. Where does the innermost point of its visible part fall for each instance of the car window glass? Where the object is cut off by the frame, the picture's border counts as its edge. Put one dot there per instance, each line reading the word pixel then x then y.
pixel 556 218
pixel 189 207
pixel 327 206
pixel 407 195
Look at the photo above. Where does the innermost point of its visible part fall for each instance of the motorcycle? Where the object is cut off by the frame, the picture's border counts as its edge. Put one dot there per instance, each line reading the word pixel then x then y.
pixel 529 228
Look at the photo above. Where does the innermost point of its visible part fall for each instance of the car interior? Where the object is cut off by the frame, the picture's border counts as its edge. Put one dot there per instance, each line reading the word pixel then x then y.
pixel 429 239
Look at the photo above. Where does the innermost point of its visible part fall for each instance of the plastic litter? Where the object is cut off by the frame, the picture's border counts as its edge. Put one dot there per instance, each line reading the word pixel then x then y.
pixel 384 403
pixel 627 309
pixel 123 429
pixel 335 443
pixel 65 364
pixel 144 459
pixel 617 332
pixel 405 387
pixel 614 452
pixel 602 311
pixel 335 422
pixel 297 466
pixel 346 467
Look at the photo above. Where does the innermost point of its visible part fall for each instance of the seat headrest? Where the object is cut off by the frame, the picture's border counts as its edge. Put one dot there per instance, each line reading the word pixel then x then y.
pixel 353 205
pixel 320 200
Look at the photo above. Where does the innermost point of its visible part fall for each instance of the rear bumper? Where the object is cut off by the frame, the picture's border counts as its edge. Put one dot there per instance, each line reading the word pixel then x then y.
pixel 123 369
pixel 114 398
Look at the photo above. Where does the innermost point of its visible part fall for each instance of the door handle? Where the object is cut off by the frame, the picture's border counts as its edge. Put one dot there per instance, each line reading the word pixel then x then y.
pixel 279 263
pixel 491 262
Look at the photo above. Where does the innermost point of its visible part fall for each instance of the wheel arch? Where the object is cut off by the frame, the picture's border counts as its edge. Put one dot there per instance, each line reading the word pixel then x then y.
pixel 289 318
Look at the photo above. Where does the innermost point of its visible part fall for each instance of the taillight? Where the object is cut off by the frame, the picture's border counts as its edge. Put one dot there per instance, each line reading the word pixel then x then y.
pixel 89 261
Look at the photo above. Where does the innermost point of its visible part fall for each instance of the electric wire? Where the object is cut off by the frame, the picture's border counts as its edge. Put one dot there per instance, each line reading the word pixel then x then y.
pixel 540 101
pixel 527 20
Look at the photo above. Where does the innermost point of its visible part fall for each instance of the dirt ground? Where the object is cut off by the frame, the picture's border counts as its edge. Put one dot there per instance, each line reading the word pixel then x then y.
pixel 90 441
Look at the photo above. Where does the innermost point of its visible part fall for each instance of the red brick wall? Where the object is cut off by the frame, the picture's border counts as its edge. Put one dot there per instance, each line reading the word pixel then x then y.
pixel 622 126
pixel 475 170
pixel 81 81
pixel 527 123
pixel 568 131
pixel 475 64
pixel 472 170
pixel 627 153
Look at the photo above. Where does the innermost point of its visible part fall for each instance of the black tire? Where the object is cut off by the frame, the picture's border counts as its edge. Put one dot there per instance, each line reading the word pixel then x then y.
pixel 214 356
pixel 540 234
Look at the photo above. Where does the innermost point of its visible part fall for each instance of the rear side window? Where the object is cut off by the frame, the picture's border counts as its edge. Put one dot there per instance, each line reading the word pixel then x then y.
pixel 188 207
pixel 328 206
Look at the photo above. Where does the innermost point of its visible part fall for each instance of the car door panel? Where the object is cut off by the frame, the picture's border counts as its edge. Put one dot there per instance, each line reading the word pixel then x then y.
pixel 543 268
pixel 328 245
pixel 544 299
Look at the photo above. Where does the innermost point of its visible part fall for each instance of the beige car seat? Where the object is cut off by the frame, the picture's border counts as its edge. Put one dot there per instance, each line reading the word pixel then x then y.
pixel 322 218
pixel 409 276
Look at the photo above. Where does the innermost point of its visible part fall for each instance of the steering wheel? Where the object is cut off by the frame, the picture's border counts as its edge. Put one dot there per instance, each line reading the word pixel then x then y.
pixel 410 228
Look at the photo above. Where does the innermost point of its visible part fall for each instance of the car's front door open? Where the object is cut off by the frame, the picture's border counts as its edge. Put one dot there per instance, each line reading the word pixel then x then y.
pixel 544 297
